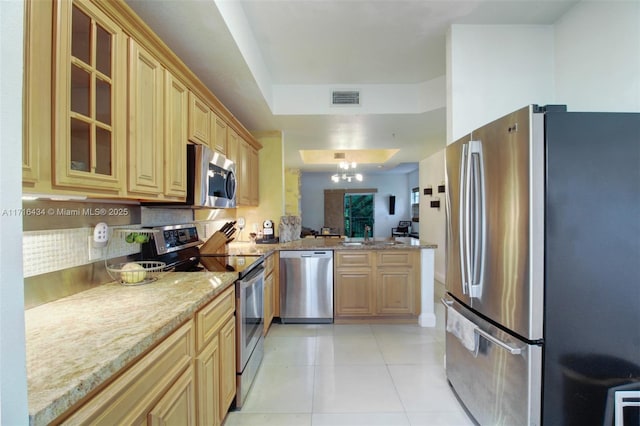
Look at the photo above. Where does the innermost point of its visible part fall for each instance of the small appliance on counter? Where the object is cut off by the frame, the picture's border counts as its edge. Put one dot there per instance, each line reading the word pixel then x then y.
pixel 268 233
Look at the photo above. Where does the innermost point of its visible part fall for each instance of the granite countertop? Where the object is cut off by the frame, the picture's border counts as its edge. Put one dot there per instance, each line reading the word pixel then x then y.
pixel 76 343
pixel 323 243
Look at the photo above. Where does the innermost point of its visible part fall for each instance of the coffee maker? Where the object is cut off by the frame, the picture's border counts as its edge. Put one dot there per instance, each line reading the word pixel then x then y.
pixel 268 233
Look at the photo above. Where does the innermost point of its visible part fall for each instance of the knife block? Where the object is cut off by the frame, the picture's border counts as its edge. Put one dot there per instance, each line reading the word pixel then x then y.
pixel 216 244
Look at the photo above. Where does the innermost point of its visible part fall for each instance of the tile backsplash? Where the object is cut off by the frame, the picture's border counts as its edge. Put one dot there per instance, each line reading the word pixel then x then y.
pixel 57 249
pixel 50 250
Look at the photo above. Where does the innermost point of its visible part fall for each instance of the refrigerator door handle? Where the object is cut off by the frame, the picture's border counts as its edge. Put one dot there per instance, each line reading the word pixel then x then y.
pixel 477 216
pixel 465 218
pixel 512 350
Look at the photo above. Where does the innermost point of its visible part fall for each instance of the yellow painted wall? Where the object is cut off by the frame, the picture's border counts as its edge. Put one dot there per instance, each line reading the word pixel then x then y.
pixel 292 192
pixel 272 184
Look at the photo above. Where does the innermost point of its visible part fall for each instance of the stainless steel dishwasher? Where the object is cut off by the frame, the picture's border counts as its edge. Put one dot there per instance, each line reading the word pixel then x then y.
pixel 306 286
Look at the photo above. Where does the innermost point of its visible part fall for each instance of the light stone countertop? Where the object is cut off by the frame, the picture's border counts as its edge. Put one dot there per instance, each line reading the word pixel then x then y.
pixel 324 243
pixel 76 343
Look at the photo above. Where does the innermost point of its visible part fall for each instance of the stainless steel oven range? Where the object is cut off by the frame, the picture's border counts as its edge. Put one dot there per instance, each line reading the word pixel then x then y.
pixel 177 246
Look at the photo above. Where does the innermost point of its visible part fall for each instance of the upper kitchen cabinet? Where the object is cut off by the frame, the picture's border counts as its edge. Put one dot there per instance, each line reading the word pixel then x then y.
pixel 245 156
pixel 123 105
pixel 205 126
pixel 176 103
pixel 146 132
pixel 156 160
pixel 219 134
pixel 90 98
pixel 199 121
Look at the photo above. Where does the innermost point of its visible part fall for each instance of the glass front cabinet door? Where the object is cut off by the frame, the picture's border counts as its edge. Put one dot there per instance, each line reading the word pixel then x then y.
pixel 90 99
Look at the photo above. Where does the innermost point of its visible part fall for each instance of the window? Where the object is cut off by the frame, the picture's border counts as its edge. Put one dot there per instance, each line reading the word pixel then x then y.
pixel 415 204
pixel 358 213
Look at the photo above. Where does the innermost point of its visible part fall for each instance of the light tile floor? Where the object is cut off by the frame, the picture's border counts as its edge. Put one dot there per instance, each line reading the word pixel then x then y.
pixel 349 375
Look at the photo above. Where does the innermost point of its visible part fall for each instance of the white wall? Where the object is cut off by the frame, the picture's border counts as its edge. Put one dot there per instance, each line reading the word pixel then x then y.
pixel 597 57
pixel 493 70
pixel 312 199
pixel 13 385
pixel 433 220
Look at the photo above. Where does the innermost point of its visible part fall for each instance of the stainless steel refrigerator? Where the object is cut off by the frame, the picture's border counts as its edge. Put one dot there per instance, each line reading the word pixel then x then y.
pixel 543 268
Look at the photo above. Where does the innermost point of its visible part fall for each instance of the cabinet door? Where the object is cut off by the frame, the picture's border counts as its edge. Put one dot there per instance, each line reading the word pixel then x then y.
pixel 90 99
pixel 130 397
pixel 232 147
pixel 243 195
pixel 178 405
pixel 254 177
pixel 268 302
pixel 354 293
pixel 146 131
pixel 199 125
pixel 227 365
pixel 395 291
pixel 208 384
pixel 219 132
pixel 176 129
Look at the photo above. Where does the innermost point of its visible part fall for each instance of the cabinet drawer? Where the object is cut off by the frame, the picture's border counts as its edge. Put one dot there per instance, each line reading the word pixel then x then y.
pixel 353 258
pixel 395 258
pixel 212 317
pixel 128 399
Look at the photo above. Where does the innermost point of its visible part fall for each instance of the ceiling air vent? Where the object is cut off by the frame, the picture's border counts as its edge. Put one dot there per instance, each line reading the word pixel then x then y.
pixel 345 97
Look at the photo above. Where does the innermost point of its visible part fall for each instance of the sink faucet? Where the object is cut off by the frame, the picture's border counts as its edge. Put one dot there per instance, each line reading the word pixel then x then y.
pixel 367 228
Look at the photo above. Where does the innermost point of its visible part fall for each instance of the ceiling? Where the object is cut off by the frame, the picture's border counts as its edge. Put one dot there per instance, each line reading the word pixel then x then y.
pixel 274 64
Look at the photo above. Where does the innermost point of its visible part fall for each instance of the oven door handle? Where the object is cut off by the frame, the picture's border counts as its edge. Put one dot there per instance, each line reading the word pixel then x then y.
pixel 251 279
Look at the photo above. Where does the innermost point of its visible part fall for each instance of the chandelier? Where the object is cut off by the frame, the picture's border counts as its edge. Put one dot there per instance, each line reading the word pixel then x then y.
pixel 346 171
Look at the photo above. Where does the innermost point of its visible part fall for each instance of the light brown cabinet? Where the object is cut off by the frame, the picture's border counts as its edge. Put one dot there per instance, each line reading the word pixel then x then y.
pixel 219 132
pixel 207 366
pixel 396 283
pixel 148 386
pixel 175 133
pixel 270 291
pixel 247 170
pixel 89 98
pixel 177 406
pixel 372 284
pixel 199 122
pixel 122 107
pixel 216 360
pixel 227 366
pixel 187 379
pixel 146 123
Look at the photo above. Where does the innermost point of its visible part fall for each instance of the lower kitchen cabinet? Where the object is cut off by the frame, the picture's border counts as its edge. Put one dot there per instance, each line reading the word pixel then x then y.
pixel 354 293
pixel 270 291
pixel 148 386
pixel 207 376
pixel 376 284
pixel 189 378
pixel 227 366
pixel 178 405
pixel 216 359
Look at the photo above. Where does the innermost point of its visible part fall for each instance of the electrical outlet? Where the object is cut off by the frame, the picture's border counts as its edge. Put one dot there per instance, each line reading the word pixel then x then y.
pixel 95 253
pixel 100 235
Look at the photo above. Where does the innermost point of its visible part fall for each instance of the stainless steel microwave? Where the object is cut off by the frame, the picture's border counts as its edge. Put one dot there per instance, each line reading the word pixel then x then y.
pixel 211 178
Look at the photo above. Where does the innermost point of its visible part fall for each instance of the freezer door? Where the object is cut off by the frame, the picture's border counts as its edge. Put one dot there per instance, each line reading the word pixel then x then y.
pixel 498 378
pixel 455 155
pixel 508 193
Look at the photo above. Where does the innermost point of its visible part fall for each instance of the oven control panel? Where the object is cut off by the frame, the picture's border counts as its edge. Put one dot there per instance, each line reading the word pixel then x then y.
pixel 176 237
